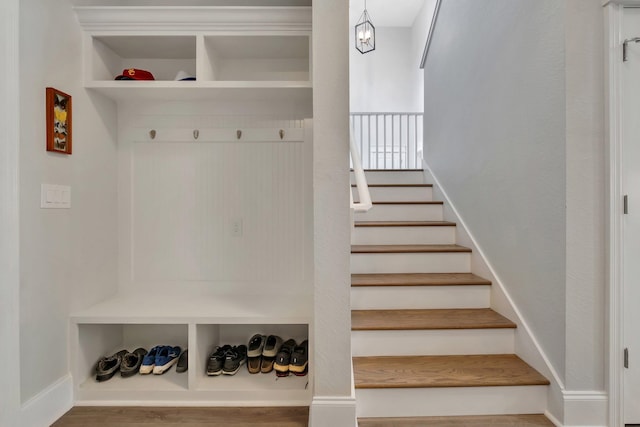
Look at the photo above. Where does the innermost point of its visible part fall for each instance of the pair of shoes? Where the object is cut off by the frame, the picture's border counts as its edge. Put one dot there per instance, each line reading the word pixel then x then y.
pixel 292 358
pixel 183 362
pixel 159 359
pixel 262 353
pixel 131 362
pixel 226 360
pixel 108 366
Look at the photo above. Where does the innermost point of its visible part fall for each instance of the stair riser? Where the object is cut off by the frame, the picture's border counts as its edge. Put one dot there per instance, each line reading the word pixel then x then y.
pixel 402 213
pixel 436 342
pixel 374 177
pixel 438 262
pixel 398 194
pixel 424 402
pixel 408 297
pixel 441 235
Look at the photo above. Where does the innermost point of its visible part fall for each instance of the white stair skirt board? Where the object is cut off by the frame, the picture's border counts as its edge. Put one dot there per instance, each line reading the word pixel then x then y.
pixel 438 262
pixel 435 235
pixel 410 297
pixel 432 342
pixel 451 401
pixel 395 177
pixel 429 212
pixel 397 194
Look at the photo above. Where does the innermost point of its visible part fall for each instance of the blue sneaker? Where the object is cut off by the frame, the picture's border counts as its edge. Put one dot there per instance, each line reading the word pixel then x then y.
pixel 149 360
pixel 166 358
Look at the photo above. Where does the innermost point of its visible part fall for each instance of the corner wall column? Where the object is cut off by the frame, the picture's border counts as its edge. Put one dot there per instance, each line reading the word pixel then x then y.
pixel 333 402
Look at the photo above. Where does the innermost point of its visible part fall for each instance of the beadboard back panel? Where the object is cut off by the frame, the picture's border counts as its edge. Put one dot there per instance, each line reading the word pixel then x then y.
pixel 221 213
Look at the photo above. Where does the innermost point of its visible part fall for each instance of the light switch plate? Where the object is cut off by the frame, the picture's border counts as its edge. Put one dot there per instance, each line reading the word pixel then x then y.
pixel 55 196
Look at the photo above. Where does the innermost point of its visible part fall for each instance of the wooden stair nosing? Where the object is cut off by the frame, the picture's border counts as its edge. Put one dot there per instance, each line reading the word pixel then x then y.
pixel 489 370
pixel 519 420
pixel 428 319
pixel 418 279
pixel 403 249
pixel 397 185
pixel 404 224
pixel 408 202
pixel 391 170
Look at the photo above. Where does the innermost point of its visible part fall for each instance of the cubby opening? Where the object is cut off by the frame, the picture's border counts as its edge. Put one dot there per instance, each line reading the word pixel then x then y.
pixel 99 340
pixel 163 56
pixel 256 58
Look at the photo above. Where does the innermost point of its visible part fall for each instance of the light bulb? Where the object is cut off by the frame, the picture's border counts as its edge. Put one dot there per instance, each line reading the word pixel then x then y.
pixel 361 35
pixel 367 35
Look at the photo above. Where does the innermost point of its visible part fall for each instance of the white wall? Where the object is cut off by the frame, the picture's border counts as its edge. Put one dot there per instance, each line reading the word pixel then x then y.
pixel 9 213
pixel 67 257
pixel 419 34
pixel 388 78
pixel 180 241
pixel 585 196
pixel 494 138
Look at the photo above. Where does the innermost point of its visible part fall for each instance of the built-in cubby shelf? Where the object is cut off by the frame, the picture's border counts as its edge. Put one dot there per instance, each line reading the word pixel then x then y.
pixel 234 53
pixel 256 50
pixel 199 324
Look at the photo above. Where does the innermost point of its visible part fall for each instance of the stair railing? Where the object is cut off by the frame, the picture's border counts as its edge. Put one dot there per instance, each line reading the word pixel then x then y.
pixel 389 140
pixel 364 198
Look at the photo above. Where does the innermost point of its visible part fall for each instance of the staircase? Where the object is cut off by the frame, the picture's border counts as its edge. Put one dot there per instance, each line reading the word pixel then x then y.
pixel 425 342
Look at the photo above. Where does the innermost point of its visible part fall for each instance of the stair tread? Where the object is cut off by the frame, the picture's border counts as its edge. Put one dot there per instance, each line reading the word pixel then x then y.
pixel 407 248
pixel 428 319
pixel 404 224
pixel 396 185
pixel 391 170
pixel 418 279
pixel 409 202
pixel 525 420
pixel 487 370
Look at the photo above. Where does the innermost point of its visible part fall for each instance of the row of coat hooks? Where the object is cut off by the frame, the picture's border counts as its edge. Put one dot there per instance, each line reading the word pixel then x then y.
pixel 196 134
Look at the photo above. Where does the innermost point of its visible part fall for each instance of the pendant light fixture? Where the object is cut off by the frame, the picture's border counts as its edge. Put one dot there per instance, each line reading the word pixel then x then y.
pixel 365 32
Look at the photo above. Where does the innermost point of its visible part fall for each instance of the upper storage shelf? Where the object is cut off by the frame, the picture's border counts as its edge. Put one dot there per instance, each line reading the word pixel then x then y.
pixel 235 52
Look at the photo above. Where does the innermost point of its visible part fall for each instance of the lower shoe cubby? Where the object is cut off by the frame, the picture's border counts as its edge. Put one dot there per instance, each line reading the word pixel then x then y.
pixel 92 341
pixel 95 341
pixel 260 387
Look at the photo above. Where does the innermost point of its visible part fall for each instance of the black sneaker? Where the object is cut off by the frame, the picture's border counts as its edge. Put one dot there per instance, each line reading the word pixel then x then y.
pixel 183 362
pixel 236 357
pixel 216 360
pixel 283 358
pixel 108 366
pixel 131 362
pixel 300 359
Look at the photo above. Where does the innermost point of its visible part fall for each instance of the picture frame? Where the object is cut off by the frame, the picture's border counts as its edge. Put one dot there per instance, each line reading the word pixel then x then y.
pixel 59 112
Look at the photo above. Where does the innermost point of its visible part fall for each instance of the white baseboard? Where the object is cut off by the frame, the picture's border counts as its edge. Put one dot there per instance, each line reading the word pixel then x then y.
pixel 48 405
pixel 329 411
pixel 585 408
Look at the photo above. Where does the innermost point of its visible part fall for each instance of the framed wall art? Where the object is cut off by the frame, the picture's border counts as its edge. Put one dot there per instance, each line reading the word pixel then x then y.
pixel 58 121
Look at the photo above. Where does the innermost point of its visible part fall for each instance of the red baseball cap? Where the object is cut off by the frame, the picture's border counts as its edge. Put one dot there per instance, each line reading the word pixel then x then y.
pixel 135 74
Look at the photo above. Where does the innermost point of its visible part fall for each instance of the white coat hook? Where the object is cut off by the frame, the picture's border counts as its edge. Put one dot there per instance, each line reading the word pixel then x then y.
pixel 152 134
pixel 196 134
pixel 281 133
pixel 239 133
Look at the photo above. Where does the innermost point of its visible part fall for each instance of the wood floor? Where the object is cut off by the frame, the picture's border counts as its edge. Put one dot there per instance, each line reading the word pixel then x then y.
pixel 473 421
pixel 86 416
